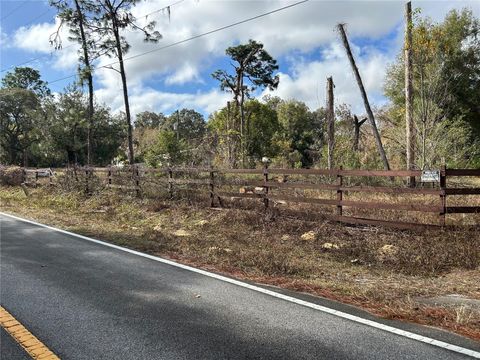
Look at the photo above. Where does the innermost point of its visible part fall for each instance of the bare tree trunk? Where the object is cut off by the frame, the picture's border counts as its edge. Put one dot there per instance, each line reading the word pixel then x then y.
pixel 410 126
pixel 229 140
pixel 242 123
pixel 371 118
pixel 90 119
pixel 330 122
pixel 248 115
pixel 423 118
pixel 424 145
pixel 74 147
pixel 12 157
pixel 236 143
pixel 356 136
pixel 131 158
pixel 86 61
pixel 25 158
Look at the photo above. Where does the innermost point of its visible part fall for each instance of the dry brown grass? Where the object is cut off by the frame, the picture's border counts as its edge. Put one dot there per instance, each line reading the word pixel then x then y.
pixel 385 271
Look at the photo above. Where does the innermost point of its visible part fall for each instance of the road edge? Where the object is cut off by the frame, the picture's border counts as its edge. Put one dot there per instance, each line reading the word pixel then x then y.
pixel 324 309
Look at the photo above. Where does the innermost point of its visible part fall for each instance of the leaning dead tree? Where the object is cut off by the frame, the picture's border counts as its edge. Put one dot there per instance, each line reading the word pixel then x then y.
pixel 357 124
pixel 330 122
pixel 371 118
pixel 410 126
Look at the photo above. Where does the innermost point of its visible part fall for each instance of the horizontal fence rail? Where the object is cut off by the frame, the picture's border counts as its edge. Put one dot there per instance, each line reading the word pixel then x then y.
pixel 275 186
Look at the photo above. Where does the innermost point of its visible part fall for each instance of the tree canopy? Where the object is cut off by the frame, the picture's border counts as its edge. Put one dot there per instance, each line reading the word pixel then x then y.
pixel 446 80
pixel 149 119
pixel 70 127
pixel 28 79
pixel 253 68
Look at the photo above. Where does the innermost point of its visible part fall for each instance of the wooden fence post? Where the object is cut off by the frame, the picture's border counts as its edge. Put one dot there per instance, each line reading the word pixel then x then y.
pixel 87 187
pixel 137 181
pixel 24 175
pixel 265 181
pixel 109 176
pixel 443 194
pixel 339 191
pixel 36 177
pixel 212 188
pixel 50 181
pixel 170 182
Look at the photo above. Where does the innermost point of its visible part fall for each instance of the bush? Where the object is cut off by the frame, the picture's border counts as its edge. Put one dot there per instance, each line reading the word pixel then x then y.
pixel 11 175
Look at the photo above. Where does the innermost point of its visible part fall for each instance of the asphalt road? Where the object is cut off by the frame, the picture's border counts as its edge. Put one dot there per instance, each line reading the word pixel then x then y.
pixel 9 349
pixel 88 301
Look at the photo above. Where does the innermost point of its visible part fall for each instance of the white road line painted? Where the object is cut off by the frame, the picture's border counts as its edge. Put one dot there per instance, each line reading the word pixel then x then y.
pixel 341 314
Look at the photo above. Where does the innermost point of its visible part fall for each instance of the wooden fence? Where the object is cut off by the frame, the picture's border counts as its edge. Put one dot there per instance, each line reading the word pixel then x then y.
pixel 275 185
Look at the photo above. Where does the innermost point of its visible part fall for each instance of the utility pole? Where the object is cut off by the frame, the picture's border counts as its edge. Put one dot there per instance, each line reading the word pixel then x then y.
pixel 330 122
pixel 410 126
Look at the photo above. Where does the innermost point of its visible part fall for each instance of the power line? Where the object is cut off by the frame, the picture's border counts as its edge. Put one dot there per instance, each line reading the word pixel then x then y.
pixel 38 57
pixel 32 60
pixel 162 9
pixel 66 47
pixel 36 18
pixel 13 10
pixel 191 38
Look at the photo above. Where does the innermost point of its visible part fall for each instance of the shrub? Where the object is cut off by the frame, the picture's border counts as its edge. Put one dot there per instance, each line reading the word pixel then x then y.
pixel 11 175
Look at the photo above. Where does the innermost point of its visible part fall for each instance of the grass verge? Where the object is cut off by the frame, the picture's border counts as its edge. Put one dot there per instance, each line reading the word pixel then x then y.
pixel 387 272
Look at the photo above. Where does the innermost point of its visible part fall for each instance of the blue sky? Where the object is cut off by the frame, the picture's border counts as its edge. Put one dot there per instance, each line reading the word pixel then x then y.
pixel 301 38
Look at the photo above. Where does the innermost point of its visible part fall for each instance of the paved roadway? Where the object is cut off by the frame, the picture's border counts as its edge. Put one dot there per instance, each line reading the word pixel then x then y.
pixel 88 301
pixel 9 349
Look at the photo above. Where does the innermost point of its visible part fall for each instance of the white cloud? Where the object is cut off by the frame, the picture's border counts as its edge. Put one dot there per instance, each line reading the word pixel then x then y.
pixel 149 99
pixel 308 80
pixel 36 39
pixel 295 33
pixel 303 28
pixel 4 40
pixel 187 73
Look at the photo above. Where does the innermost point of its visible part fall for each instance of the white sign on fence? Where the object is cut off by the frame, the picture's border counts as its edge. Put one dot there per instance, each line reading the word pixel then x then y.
pixel 430 176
